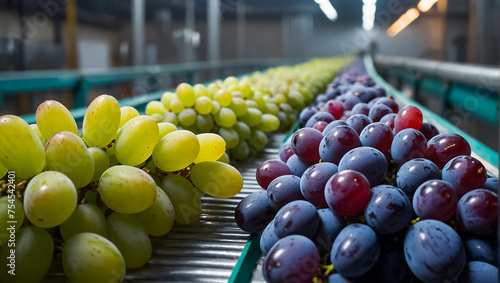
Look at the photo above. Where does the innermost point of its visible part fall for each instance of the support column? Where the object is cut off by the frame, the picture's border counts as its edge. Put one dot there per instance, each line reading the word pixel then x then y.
pixel 138 17
pixel 190 26
pixel 240 30
pixel 213 18
pixel 71 38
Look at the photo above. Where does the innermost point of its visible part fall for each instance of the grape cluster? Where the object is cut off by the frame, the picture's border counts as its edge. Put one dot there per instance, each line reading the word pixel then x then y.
pixel 368 192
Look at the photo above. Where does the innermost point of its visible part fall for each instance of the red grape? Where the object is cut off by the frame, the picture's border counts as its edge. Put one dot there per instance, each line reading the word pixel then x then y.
pixel 408 117
pixel 477 212
pixel 286 151
pixel 270 170
pixel 320 125
pixel 347 192
pixel 435 199
pixel 334 107
pixel 464 173
pixel 305 143
pixel 442 148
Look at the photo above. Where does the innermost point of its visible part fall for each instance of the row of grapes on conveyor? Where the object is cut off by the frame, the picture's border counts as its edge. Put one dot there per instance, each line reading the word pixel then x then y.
pixel 92 197
pixel 367 191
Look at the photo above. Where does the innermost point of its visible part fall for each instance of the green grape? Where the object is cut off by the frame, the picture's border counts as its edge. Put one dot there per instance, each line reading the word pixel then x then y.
pixel 251 104
pixel 237 94
pixel 86 218
pixel 257 140
pixel 176 105
pixel 200 91
pixel 215 107
pixel 239 106
pixel 159 218
pixel 22 150
pixel 296 100
pixel 203 105
pixel 241 151
pixel 101 162
pixel 155 107
pixel 280 98
pixel 10 204
pixel 166 98
pixel 52 117
pixel 285 107
pixel 242 129
pixel 88 257
pixel 165 128
pixel 259 99
pixel 212 89
pixel 176 151
pixel 187 117
pixel 185 198
pixel 225 118
pixel 272 109
pixel 212 147
pixel 127 189
pixel 3 171
pixel 204 123
pixel 68 154
pixel 224 158
pixel 127 113
pixel 34 249
pixel 252 118
pixel 269 123
pixel 292 118
pixel 91 197
pixel 230 136
pixel 35 129
pixel 246 89
pixel 186 94
pixel 217 179
pixel 136 140
pixel 110 152
pixel 157 117
pixel 49 199
pixel 128 234
pixel 284 123
pixel 229 81
pixel 171 117
pixel 101 121
pixel 223 97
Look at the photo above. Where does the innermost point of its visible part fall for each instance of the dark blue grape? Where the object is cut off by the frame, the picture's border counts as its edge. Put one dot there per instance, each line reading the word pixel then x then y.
pixel 360 108
pixel 338 142
pixel 358 122
pixel 313 181
pixel 298 217
pixel 337 278
pixel 297 165
pixel 388 209
pixel 320 116
pixel 389 102
pixel 268 238
pixel 349 100
pixel 434 251
pixel 292 259
pixel 414 173
pixel 480 250
pixel 329 228
pixel 321 98
pixel 491 185
pixel 254 212
pixel 366 95
pixel 390 266
pixel 378 111
pixel 408 144
pixel 377 135
pixel 332 125
pixel 479 272
pixel 307 113
pixel 368 161
pixel 355 250
pixel 389 120
pixel 283 190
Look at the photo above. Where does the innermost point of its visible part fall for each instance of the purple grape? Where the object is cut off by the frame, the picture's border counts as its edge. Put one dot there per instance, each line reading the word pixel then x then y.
pixel 321 98
pixel 368 161
pixel 268 238
pixel 435 199
pixel 378 111
pixel 358 122
pixel 377 135
pixel 478 271
pixel 434 251
pixel 313 181
pixel 408 144
pixel 298 217
pixel 389 102
pixel 292 259
pixel 477 212
pixel 464 173
pixel 443 148
pixel 329 228
pixel 429 130
pixel 320 116
pixel 298 166
pixel 390 266
pixel 307 113
pixel 355 250
pixel 415 172
pixel 349 100
pixel 338 142
pixel 389 120
pixel 254 212
pixel 283 190
pixel 305 144
pixel 491 185
pixel 332 125
pixel 388 209
pixel 360 108
pixel 270 170
pixel 286 151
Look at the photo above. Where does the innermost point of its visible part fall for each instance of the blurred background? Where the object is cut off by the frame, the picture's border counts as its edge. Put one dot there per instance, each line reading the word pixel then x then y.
pixel 93 34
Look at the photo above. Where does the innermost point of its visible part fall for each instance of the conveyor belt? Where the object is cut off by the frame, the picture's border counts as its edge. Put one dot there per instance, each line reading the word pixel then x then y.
pixel 206 251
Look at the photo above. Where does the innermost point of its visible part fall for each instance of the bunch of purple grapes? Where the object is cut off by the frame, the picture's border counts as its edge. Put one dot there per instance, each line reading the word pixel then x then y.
pixel 374 191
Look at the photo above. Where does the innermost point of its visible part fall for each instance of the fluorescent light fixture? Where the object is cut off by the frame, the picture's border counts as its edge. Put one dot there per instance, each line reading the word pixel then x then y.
pixel 426 5
pixel 369 9
pixel 403 21
pixel 328 9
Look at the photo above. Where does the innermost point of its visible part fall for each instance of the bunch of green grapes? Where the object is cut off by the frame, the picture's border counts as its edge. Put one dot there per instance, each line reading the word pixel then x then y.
pixel 98 193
